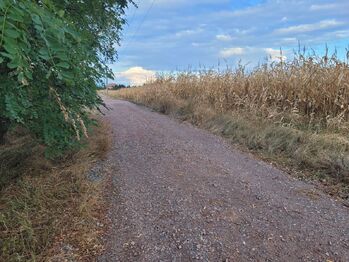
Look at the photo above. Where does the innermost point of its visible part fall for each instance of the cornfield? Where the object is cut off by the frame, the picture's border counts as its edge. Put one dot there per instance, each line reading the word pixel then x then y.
pixel 308 90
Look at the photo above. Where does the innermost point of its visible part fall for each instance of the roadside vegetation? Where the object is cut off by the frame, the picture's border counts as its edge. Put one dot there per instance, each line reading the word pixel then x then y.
pixel 54 55
pixel 294 113
pixel 50 210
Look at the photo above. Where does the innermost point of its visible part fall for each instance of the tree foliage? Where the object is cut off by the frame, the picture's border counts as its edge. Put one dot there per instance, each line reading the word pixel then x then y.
pixel 53 54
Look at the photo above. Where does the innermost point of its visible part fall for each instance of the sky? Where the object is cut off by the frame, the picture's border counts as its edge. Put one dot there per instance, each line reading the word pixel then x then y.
pixel 173 35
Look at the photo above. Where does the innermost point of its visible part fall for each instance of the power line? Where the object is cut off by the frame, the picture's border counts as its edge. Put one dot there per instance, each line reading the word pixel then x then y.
pixel 143 20
pixel 132 18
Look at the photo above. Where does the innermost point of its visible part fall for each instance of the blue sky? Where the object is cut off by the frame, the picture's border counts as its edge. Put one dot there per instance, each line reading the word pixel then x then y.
pixel 171 35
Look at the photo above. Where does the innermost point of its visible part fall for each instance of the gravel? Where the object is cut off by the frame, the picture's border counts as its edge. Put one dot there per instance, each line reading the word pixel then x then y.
pixel 96 173
pixel 182 194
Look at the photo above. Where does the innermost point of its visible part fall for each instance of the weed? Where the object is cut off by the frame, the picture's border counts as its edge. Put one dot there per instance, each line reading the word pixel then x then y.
pixel 46 203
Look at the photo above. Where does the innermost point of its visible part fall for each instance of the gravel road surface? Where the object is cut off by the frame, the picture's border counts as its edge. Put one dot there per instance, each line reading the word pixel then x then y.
pixel 183 194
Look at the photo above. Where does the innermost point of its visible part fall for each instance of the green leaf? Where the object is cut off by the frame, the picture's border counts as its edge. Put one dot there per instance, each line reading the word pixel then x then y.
pixel 62 56
pixel 43 52
pixel 67 75
pixel 12 33
pixel 7 55
pixel 63 65
pixel 61 13
pixel 16 18
pixel 28 74
pixel 2 5
pixel 10 49
pixel 16 14
pixel 11 45
pixel 14 63
pixel 1 60
pixel 36 19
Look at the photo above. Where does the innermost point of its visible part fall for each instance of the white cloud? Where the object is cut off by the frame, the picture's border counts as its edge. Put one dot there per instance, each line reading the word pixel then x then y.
pixel 289 40
pixel 249 53
pixel 275 54
pixel 323 7
pixel 196 44
pixel 189 32
pixel 247 11
pixel 244 31
pixel 324 24
pixel 136 75
pixel 341 33
pixel 228 52
pixel 223 37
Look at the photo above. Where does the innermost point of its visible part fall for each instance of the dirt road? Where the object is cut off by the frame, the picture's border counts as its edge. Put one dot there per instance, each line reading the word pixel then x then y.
pixel 183 194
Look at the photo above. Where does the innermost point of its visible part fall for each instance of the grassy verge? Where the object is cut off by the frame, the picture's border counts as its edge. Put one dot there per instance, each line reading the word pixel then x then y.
pixel 294 114
pixel 49 209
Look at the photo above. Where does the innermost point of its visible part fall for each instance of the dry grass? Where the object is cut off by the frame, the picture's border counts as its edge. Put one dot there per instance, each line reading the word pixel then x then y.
pixel 295 113
pixel 49 210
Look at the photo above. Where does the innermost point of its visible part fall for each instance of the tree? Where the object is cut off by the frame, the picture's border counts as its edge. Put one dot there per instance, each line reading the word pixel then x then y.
pixel 53 54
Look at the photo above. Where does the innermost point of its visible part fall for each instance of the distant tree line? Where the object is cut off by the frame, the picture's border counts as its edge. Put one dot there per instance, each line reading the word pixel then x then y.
pixel 114 86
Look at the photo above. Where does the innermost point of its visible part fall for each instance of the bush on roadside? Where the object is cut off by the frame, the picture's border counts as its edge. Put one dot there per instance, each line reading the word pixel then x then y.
pixel 53 54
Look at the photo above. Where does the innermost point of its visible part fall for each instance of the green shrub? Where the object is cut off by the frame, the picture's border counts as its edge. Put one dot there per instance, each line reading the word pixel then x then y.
pixel 53 54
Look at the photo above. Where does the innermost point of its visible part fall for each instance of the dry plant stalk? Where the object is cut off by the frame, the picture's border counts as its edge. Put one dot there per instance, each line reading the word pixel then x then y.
pixel 67 116
pixel 308 90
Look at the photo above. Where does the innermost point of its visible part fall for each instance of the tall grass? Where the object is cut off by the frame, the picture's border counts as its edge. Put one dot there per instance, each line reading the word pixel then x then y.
pixel 297 110
pixel 46 206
